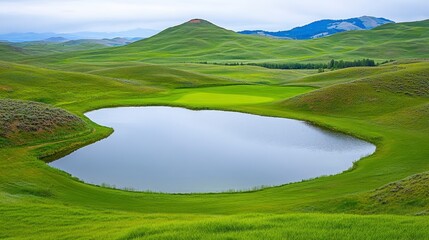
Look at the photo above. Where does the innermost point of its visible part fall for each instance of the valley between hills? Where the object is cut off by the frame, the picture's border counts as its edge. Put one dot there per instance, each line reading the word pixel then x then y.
pixel 45 93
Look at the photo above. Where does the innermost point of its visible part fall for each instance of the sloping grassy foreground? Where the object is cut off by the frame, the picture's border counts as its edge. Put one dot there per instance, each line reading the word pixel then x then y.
pixel 386 107
pixel 62 222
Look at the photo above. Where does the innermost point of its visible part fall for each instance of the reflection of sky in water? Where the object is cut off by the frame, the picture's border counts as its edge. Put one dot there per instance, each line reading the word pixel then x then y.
pixel 179 150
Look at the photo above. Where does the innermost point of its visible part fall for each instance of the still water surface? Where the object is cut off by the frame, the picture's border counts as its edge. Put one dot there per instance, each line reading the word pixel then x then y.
pixel 177 150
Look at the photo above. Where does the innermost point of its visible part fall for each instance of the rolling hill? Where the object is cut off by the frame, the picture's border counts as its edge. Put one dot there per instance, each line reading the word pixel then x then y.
pixel 8 52
pixel 202 41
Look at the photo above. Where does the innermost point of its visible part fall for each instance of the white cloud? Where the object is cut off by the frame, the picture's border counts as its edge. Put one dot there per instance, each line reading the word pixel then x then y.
pixel 107 15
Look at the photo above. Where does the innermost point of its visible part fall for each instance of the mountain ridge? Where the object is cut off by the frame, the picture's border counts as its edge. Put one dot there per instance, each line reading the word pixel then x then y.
pixel 193 42
pixel 322 28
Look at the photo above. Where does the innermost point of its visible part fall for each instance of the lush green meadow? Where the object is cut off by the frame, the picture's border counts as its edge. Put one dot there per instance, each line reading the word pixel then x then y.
pixel 206 42
pixel 384 196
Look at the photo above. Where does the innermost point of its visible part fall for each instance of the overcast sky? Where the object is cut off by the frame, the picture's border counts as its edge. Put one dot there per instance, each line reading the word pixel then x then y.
pixel 108 15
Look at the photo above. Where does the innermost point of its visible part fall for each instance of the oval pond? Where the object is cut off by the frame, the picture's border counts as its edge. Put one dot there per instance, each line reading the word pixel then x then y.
pixel 176 150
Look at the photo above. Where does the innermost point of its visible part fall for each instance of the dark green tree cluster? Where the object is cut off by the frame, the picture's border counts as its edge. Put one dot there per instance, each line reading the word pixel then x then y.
pixel 334 64
pixel 224 64
pixel 290 65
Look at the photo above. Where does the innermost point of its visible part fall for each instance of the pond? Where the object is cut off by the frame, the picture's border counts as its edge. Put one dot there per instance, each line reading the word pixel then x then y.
pixel 176 150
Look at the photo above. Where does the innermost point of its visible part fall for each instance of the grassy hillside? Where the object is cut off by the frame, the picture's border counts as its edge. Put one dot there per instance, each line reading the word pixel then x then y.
pixel 406 85
pixel 250 74
pixel 163 76
pixel 39 84
pixel 412 192
pixel 8 52
pixel 343 75
pixel 42 85
pixel 203 41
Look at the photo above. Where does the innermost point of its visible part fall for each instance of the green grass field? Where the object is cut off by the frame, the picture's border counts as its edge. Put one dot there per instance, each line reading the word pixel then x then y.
pixel 384 196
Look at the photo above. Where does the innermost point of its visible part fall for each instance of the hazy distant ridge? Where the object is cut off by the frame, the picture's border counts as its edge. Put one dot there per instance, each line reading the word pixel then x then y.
pixel 31 36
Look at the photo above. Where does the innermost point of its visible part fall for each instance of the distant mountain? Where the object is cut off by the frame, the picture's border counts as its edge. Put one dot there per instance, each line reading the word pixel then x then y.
pixel 60 41
pixel 114 42
pixel 29 37
pixel 56 39
pixel 324 28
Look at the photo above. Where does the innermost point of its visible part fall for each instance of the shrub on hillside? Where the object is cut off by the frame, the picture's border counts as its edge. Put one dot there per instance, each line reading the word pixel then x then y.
pixel 24 121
